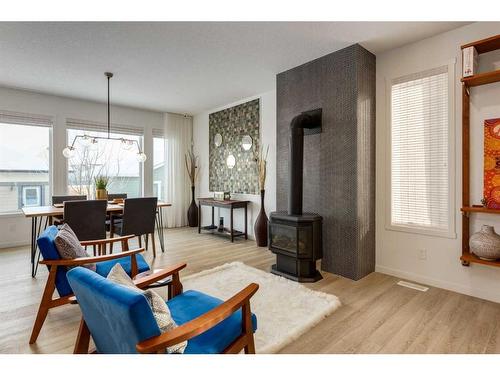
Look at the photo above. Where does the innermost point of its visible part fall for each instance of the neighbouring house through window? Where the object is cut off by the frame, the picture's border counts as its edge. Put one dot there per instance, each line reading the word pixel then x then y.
pixel 25 143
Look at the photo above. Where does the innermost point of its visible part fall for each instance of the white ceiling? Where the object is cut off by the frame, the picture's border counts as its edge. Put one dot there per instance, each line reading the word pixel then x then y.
pixel 182 67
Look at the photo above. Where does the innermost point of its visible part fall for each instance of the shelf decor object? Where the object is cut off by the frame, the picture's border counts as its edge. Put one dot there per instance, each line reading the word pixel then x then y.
pixel 86 140
pixel 222 195
pixel 485 243
pixel 469 61
pixel 478 79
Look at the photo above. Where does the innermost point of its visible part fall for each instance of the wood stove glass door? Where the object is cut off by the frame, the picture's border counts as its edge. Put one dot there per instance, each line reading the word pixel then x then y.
pixel 284 237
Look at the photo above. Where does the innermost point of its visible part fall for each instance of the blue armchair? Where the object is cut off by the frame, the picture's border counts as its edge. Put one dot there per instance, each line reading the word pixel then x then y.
pixel 132 262
pixel 120 320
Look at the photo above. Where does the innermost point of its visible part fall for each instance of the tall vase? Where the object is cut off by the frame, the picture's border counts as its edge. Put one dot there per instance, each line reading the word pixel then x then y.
pixel 193 211
pixel 260 226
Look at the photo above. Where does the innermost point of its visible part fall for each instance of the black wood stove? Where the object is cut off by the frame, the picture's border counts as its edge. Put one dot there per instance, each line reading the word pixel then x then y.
pixel 295 237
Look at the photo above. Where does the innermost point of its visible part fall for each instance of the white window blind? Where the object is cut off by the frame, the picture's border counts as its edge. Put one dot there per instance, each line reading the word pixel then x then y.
pixel 7 117
pixel 94 126
pixel 420 174
pixel 158 133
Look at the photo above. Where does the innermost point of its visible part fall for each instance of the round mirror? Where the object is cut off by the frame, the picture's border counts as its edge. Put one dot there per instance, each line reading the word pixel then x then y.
pixel 231 161
pixel 246 142
pixel 217 140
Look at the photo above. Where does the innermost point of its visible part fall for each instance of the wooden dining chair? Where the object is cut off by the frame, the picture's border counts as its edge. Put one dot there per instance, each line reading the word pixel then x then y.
pixel 132 262
pixel 116 217
pixel 87 219
pixel 138 218
pixel 59 199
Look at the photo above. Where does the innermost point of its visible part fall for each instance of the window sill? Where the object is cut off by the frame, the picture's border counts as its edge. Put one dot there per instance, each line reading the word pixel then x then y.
pixel 421 231
pixel 7 215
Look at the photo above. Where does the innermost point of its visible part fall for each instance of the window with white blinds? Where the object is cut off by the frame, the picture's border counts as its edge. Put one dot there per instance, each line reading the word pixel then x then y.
pixel 420 173
pixel 25 160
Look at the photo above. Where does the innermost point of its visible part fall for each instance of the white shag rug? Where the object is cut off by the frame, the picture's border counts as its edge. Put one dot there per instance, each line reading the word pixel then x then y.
pixel 284 309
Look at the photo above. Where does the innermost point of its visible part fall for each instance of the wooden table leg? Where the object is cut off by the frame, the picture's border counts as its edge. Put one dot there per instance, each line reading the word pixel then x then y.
pixel 231 226
pixel 246 223
pixel 213 216
pixel 199 217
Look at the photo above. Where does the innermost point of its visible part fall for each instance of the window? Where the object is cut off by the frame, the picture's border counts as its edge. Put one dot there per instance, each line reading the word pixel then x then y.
pixel 32 196
pixel 106 157
pixel 157 189
pixel 159 144
pixel 24 161
pixel 420 152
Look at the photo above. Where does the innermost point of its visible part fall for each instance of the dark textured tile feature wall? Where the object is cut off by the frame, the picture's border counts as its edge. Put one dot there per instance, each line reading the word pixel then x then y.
pixel 339 163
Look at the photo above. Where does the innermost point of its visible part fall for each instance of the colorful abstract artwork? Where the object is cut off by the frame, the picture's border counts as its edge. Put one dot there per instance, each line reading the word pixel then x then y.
pixel 492 162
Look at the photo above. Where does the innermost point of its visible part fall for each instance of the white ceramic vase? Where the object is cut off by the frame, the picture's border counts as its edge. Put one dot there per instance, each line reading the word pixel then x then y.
pixel 485 243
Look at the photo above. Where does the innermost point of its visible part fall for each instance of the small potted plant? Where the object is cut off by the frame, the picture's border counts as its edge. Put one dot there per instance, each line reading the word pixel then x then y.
pixel 101 183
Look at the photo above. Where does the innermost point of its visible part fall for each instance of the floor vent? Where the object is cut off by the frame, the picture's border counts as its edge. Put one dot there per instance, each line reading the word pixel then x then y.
pixel 407 284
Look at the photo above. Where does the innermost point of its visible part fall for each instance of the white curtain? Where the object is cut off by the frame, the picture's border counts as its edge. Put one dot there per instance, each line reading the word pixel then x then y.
pixel 177 190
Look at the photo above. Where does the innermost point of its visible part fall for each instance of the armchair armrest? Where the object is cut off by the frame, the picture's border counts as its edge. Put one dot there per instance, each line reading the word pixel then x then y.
pixel 201 324
pixel 86 260
pixel 157 276
pixel 106 240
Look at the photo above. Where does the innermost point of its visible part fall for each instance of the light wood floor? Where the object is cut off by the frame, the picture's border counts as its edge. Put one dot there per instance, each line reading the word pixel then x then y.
pixel 377 315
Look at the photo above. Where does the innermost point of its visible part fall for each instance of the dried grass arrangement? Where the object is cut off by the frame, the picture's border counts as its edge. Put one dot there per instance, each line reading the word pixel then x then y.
pixel 261 163
pixel 191 166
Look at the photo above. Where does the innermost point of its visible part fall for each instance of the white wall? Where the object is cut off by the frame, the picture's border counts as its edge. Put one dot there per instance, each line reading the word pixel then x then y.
pixel 397 252
pixel 267 137
pixel 14 228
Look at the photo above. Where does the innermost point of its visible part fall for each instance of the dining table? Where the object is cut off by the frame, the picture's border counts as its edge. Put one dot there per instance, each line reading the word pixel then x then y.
pixel 43 216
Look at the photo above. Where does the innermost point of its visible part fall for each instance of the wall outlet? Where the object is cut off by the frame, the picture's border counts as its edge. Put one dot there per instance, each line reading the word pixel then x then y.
pixel 422 254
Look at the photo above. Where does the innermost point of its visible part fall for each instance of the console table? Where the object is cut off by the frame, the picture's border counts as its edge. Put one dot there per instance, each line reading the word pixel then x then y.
pixel 231 205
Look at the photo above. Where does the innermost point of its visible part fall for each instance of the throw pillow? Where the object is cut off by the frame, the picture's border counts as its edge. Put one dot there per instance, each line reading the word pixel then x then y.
pixel 160 310
pixel 68 246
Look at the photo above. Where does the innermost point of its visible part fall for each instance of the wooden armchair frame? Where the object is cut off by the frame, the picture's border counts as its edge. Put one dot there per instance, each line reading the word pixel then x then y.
pixel 196 326
pixel 48 302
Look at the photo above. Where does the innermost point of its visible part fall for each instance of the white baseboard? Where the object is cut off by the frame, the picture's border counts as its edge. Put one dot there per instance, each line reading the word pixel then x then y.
pixel 443 284
pixel 4 245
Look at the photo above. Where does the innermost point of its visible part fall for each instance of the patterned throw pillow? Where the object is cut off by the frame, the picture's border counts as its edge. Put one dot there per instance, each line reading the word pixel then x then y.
pixel 68 246
pixel 158 306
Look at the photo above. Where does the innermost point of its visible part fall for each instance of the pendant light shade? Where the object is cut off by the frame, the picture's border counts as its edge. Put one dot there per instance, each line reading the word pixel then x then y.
pixel 141 157
pixel 87 140
pixel 68 152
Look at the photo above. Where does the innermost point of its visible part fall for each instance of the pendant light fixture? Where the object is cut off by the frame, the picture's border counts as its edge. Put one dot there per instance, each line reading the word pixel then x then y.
pixel 87 140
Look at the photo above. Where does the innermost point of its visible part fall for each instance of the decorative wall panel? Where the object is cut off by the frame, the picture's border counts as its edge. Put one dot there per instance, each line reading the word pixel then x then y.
pixel 232 124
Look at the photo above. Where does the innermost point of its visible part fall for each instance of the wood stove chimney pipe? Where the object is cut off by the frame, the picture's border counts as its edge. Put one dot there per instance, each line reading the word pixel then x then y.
pixel 304 124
